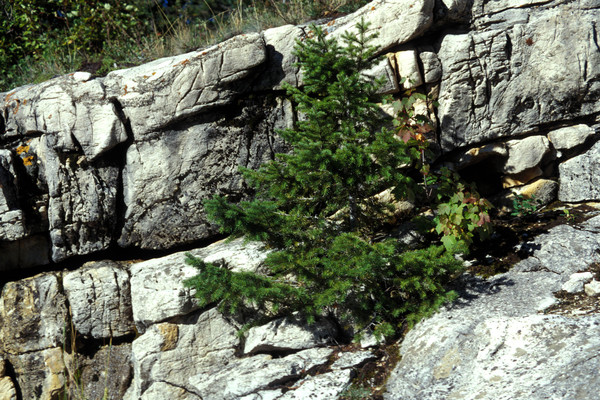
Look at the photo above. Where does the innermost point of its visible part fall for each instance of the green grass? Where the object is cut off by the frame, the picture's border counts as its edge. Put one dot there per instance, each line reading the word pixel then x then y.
pixel 178 37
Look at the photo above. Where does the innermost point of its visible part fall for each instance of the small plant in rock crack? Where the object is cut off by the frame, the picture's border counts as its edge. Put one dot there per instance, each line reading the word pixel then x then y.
pixel 523 205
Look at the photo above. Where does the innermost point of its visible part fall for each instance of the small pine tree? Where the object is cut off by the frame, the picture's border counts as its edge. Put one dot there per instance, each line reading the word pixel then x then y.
pixel 317 205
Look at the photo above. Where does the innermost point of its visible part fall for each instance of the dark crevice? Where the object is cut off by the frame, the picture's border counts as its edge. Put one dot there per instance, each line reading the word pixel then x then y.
pixel 10 372
pixel 88 346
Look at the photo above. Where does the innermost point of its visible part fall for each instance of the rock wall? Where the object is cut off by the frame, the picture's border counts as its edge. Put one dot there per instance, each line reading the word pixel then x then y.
pixel 94 166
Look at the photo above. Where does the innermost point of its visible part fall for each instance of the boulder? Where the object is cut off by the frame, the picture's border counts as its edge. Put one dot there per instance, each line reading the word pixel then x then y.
pixel 281 64
pixel 577 177
pixel 432 68
pixel 543 190
pixel 329 385
pixel 100 299
pixel 33 314
pixel 570 137
pixel 576 282
pixel 525 154
pixel 408 68
pixel 289 333
pixel 502 81
pixel 592 288
pixel 7 389
pixel 493 344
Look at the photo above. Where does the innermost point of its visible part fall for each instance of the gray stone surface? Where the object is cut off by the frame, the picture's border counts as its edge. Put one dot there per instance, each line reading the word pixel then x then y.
pixel 592 288
pixel 158 93
pixel 576 282
pixel 502 81
pixel 571 136
pixel 100 299
pixel 524 154
pixel 289 333
pixel 33 314
pixel 7 389
pixel 41 375
pixel 408 68
pixel 324 386
pixel 167 176
pixel 578 178
pixel 492 343
pixel 244 376
pixel 196 348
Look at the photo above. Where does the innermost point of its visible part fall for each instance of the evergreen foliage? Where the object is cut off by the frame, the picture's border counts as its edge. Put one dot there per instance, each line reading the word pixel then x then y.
pixel 317 206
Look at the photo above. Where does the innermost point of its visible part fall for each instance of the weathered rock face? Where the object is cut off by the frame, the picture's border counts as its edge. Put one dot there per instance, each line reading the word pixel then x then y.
pixel 90 165
pixel 495 338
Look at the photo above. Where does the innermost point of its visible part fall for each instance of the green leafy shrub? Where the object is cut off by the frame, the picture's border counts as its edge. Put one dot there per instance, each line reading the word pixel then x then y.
pixel 317 206
pixel 523 206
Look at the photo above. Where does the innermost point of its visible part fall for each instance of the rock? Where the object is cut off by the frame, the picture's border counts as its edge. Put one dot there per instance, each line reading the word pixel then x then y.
pixel 158 93
pixel 166 178
pixel 42 375
pixel 578 182
pixel 329 385
pixel 200 346
pixel 543 190
pixel 100 298
pixel 161 280
pixel 570 137
pixel 476 155
pixel 33 314
pixel 493 344
pixel 12 225
pixel 107 373
pixel 280 43
pixel 408 68
pixel 24 253
pixel 289 333
pixel 576 282
pixel 524 154
pixel 518 76
pixel 82 198
pixel 352 359
pixel 432 68
pixel 264 395
pixel 395 22
pixel 523 177
pixel 7 389
pixel 241 377
pixel 593 288
pixel 384 70
pixel 69 110
pixel 162 390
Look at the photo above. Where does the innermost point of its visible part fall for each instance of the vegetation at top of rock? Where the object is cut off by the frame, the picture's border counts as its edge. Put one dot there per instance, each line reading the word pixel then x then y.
pixel 320 206
pixel 40 39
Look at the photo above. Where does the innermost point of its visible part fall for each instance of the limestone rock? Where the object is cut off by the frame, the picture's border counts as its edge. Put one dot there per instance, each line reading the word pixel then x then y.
pixel 155 94
pixel 100 299
pixel 7 389
pixel 571 136
pixel 247 375
pixel 476 155
pixel 544 191
pixel 576 282
pixel 68 109
pixel 396 22
pixel 12 225
pixel 82 198
pixel 352 359
pixel 384 70
pixel 324 386
pixel 523 177
pixel 432 68
pixel 281 68
pixel 592 288
pixel 33 314
pixel 161 281
pixel 492 343
pixel 289 333
pixel 408 68
pixel 108 371
pixel 166 178
pixel 578 180
pixel 524 154
pixel 41 375
pixel 513 79
pixel 174 353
